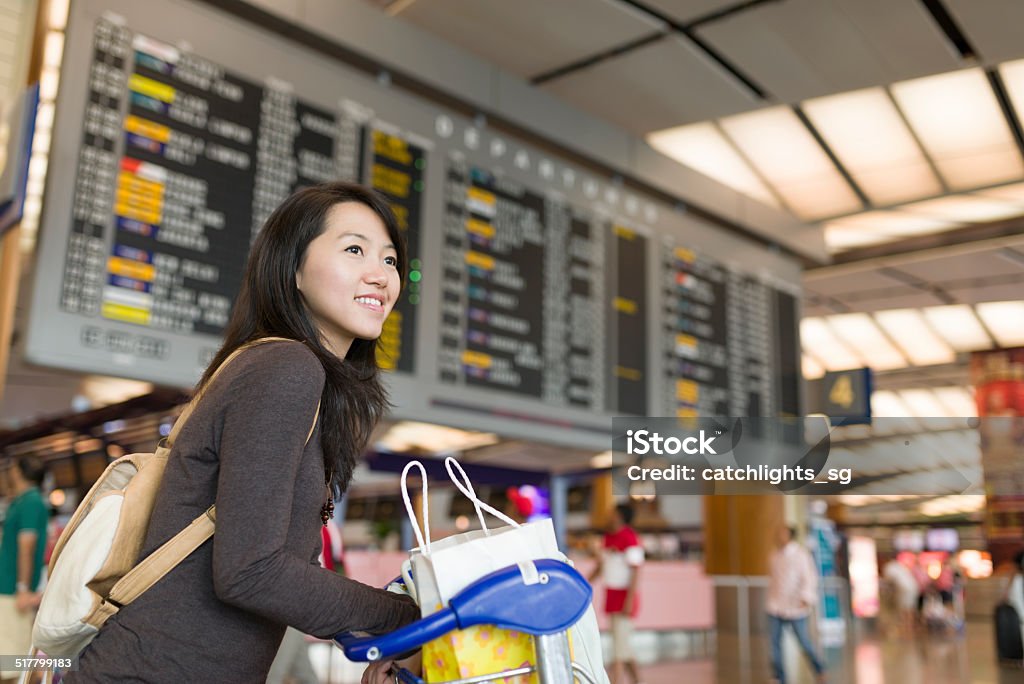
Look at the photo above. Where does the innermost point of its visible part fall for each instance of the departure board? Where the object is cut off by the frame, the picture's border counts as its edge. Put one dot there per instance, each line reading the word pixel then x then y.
pixel 396 171
pixel 695 336
pixel 629 313
pixel 531 286
pixel 180 164
pixel 575 309
pixel 543 297
pixel 196 163
pixel 493 261
pixel 730 347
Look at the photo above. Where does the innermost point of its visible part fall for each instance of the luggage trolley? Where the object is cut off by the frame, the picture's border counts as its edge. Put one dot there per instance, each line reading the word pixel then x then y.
pixel 545 609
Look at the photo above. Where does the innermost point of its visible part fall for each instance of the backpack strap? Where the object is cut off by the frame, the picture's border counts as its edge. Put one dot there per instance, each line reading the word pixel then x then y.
pixel 176 549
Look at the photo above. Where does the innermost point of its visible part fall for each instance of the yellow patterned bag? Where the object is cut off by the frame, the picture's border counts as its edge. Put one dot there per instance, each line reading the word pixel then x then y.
pixel 479 650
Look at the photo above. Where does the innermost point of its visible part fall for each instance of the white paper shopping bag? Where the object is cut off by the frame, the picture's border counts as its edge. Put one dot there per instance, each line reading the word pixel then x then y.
pixel 441 569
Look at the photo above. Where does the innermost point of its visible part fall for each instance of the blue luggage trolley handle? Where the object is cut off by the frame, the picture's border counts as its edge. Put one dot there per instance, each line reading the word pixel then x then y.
pixel 553 604
pixel 554 600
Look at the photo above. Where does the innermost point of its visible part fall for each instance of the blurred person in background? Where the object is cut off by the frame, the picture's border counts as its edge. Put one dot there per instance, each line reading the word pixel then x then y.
pixel 792 593
pixel 519 507
pixel 21 555
pixel 1015 590
pixel 618 565
pixel 924 584
pixel 901 591
pixel 945 581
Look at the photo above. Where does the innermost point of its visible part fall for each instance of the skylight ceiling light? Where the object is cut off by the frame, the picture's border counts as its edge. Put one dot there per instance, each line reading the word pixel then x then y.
pixel 812 368
pixel 909 331
pixel 815 334
pixel 1005 320
pixel 859 331
pixel 966 209
pixel 409 436
pixel 958 401
pixel 839 238
pixel 1014 192
pixel 952 505
pixel 875 227
pixel 703 147
pixel 923 404
pixel 784 151
pixel 864 130
pixel 958 325
pixel 1012 74
pixel 885 404
pixel 958 120
pixel 893 224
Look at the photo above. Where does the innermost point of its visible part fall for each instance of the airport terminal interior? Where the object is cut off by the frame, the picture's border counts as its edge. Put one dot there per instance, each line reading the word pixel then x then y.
pixel 720 273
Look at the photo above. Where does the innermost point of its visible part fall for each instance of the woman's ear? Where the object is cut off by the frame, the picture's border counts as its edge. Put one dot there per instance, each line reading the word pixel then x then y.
pixel 298 281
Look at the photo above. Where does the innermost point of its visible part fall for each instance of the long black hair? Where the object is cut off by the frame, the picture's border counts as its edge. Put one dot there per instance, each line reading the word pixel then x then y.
pixel 269 304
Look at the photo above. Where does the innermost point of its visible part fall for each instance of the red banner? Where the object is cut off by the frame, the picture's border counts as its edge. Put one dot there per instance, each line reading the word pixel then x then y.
pixel 998 379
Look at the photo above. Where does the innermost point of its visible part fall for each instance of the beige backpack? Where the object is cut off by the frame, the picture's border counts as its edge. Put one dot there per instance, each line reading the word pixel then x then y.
pixel 93 570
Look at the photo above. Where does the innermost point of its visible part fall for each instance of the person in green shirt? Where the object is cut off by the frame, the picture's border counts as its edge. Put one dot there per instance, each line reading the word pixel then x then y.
pixel 21 554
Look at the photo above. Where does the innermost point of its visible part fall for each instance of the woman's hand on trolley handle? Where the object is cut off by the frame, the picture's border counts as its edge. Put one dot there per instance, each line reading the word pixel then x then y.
pixel 382 671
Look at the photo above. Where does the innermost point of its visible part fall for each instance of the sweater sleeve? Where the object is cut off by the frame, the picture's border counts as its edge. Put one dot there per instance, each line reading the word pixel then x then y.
pixel 273 394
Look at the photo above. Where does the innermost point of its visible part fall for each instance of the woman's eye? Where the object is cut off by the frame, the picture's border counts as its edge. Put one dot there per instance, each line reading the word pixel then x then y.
pixel 354 249
pixel 391 261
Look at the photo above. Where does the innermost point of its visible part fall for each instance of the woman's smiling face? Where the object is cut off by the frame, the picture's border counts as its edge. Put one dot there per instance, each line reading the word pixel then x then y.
pixel 349 276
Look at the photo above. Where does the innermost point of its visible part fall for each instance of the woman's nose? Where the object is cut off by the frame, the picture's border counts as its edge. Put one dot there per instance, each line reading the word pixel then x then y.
pixel 376 276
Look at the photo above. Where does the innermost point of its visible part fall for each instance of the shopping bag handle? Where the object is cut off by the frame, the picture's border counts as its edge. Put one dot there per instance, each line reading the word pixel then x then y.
pixel 424 541
pixel 465 485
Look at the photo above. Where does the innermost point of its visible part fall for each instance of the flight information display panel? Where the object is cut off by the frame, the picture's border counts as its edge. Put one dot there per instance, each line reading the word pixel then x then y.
pixel 196 162
pixel 397 171
pixel 543 298
pixel 730 345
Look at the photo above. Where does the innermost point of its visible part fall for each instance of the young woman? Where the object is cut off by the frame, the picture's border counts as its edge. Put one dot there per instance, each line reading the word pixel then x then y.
pixel 324 272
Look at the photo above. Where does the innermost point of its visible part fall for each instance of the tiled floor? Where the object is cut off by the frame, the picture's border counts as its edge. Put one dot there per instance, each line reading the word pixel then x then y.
pixel 968 659
pixel 960 659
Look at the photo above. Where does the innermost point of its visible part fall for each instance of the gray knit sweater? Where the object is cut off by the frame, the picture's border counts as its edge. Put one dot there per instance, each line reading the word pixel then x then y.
pixel 220 615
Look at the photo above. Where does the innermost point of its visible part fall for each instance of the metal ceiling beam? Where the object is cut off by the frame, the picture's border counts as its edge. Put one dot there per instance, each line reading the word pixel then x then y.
pixel 961 236
pixel 847 176
pixel 945 21
pixel 592 60
pixel 687 30
pixel 1006 106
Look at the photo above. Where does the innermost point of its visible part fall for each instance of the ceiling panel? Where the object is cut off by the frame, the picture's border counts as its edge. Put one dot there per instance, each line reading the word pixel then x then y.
pixel 964 266
pixel 970 275
pixel 813 310
pixel 685 11
pixel 903 34
pixel 805 48
pixel 661 85
pixel 844 284
pixel 992 26
pixel 529 37
pixel 990 293
pixel 896 298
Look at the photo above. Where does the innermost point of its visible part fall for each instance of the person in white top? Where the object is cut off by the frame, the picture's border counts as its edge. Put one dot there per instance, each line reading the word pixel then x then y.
pixel 792 592
pixel 619 566
pixel 902 590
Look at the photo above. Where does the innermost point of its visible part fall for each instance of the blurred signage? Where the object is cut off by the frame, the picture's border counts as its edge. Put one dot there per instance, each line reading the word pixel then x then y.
pixel 998 379
pixel 845 396
pixel 863 576
pixel 21 123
